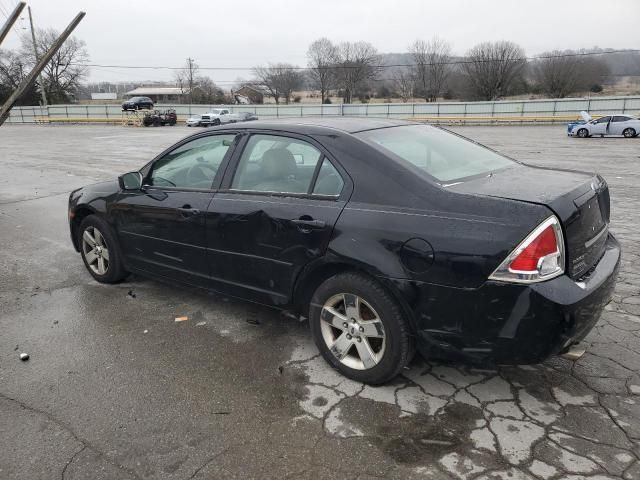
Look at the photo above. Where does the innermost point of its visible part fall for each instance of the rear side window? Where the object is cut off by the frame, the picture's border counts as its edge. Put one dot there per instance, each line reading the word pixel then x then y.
pixel 620 118
pixel 329 181
pixel 440 154
pixel 277 164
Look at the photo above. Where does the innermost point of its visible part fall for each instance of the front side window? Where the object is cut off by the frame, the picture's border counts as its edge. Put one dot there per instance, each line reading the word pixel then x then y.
pixel 603 120
pixel 272 163
pixel 442 155
pixel 192 165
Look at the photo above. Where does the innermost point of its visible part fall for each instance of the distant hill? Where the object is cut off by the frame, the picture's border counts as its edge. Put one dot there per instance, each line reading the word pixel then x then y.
pixel 620 63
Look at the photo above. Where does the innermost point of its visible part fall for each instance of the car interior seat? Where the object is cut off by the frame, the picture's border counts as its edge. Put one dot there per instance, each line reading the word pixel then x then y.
pixel 278 172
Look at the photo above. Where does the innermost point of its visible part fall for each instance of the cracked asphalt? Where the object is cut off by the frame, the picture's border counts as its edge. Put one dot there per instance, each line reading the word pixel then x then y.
pixel 116 389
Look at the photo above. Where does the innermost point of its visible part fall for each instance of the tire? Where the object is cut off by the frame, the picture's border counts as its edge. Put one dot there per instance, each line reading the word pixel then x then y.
pixel 113 268
pixel 629 133
pixel 583 133
pixel 216 122
pixel 391 343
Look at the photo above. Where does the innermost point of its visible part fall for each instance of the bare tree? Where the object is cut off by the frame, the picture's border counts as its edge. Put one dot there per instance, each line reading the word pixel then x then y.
pixel 404 82
pixel 357 62
pixel 279 80
pixel 322 56
pixel 186 78
pixel 491 68
pixel 593 73
pixel 561 73
pixel 12 71
pixel 12 68
pixel 206 91
pixel 64 73
pixel 432 67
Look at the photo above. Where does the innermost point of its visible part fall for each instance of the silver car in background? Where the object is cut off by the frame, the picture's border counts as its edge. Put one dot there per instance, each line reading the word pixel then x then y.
pixel 194 121
pixel 615 124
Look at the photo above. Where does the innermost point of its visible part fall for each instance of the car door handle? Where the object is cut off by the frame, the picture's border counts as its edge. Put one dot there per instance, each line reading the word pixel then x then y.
pixel 308 223
pixel 187 211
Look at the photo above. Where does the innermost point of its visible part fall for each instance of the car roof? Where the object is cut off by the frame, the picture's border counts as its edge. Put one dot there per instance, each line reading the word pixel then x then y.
pixel 307 124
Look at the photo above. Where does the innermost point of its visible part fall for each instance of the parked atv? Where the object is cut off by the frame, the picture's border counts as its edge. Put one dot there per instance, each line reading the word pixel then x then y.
pixel 160 119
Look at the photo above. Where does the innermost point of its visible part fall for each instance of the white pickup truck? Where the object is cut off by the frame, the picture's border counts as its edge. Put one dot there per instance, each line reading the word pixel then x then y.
pixel 217 116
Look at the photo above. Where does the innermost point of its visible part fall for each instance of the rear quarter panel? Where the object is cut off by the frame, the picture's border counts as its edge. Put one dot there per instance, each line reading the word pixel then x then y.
pixel 469 234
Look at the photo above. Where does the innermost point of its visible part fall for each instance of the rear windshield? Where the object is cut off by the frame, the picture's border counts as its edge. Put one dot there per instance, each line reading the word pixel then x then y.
pixel 442 155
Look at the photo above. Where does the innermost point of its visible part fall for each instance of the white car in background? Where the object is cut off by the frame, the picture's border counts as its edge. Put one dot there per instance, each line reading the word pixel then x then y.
pixel 616 124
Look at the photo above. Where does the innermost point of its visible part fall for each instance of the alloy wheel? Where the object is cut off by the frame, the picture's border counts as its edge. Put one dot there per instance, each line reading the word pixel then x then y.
pixel 95 250
pixel 352 331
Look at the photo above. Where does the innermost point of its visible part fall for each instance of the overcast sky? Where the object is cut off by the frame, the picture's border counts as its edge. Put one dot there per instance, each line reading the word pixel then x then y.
pixel 252 32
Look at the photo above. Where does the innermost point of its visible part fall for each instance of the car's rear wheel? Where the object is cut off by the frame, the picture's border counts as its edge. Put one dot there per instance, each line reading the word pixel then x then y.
pixel 583 133
pixel 629 133
pixel 100 251
pixel 359 328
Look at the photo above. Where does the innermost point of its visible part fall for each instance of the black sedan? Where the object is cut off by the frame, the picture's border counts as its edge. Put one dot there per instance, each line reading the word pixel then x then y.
pixel 138 103
pixel 389 236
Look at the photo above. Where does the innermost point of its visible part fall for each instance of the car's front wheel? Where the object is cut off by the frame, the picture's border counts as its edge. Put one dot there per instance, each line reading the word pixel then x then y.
pixel 583 133
pixel 359 328
pixel 100 251
pixel 629 133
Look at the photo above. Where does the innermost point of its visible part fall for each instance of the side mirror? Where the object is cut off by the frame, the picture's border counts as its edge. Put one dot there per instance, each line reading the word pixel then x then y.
pixel 130 181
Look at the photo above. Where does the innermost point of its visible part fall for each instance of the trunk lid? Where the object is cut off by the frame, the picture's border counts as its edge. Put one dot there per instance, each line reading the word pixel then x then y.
pixel 579 200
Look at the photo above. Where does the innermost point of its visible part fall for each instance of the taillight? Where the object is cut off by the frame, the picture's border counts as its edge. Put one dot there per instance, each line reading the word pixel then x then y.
pixel 539 257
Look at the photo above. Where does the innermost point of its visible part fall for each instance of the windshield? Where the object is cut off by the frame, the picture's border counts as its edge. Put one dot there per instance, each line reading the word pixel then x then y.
pixel 442 155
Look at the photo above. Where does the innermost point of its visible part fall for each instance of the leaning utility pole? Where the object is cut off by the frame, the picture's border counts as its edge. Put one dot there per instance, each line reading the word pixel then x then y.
pixel 35 51
pixel 29 79
pixel 11 20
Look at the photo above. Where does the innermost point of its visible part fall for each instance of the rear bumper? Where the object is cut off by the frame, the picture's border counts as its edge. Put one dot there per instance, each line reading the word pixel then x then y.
pixel 512 323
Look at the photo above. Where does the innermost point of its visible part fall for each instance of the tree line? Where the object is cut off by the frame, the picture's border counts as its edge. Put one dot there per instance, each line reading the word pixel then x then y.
pixel 488 71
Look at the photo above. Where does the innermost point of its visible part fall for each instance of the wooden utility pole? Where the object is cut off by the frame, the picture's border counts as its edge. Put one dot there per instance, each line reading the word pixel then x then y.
pixel 11 20
pixel 35 51
pixel 29 79
pixel 191 65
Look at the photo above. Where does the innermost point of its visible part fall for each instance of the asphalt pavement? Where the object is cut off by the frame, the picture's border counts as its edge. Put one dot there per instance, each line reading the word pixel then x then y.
pixel 115 388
